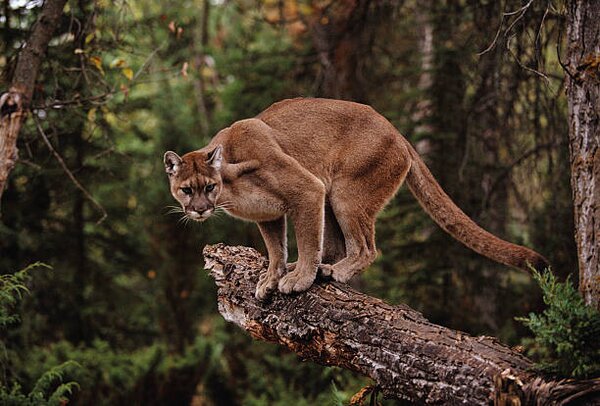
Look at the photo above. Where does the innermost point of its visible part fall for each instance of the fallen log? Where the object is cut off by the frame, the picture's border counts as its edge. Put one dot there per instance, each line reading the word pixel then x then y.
pixel 408 357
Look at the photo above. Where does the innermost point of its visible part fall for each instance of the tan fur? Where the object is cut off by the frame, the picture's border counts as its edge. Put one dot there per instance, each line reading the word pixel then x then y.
pixel 328 166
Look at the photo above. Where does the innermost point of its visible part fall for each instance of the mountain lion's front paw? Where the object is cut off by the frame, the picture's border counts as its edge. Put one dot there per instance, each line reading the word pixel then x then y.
pixel 266 283
pixel 326 270
pixel 297 281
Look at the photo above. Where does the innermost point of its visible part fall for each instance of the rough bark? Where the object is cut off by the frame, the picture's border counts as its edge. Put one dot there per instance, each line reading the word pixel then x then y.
pixel 583 90
pixel 14 104
pixel 408 357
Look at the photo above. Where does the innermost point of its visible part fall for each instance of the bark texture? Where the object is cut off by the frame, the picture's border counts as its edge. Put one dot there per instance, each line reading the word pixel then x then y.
pixel 14 104
pixel 583 90
pixel 407 356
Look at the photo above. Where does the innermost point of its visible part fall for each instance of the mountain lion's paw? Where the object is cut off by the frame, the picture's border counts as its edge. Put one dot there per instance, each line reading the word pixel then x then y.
pixel 291 266
pixel 297 281
pixel 266 284
pixel 326 270
pixel 341 276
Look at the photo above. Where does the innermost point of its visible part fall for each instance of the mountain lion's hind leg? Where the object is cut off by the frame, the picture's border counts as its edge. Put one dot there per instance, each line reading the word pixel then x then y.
pixel 274 235
pixel 334 245
pixel 356 200
pixel 359 233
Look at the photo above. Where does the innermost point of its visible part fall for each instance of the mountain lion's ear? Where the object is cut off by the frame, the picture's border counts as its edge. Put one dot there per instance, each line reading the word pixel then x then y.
pixel 172 162
pixel 215 157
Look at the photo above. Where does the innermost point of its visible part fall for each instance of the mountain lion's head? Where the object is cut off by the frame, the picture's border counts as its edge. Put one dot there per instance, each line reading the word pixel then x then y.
pixel 195 181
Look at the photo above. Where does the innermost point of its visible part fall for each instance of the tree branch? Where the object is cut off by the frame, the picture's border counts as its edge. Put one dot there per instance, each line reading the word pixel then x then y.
pixel 407 356
pixel 70 174
pixel 14 104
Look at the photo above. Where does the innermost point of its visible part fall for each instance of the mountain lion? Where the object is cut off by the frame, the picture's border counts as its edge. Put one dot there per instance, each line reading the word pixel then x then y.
pixel 329 166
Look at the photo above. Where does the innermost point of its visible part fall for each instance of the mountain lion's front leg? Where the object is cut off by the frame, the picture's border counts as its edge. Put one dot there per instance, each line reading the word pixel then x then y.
pixel 274 235
pixel 307 214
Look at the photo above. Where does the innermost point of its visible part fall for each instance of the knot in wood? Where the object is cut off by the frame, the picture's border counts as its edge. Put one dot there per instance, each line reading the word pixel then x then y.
pixel 10 102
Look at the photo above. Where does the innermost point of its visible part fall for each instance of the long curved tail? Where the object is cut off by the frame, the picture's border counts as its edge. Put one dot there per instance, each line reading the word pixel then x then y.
pixel 455 222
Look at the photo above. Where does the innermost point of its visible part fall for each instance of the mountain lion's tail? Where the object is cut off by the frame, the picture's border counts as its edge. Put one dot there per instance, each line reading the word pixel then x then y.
pixel 456 223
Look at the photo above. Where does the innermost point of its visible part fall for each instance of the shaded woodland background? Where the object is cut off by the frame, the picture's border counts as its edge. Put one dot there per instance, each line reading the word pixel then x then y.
pixel 479 91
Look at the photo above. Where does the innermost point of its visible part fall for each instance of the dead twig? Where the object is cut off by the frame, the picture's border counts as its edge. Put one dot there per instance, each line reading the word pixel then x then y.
pixel 506 171
pixel 522 12
pixel 63 165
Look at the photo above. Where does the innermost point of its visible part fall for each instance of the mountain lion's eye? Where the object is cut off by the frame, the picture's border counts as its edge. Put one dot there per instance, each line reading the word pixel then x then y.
pixel 187 190
pixel 209 188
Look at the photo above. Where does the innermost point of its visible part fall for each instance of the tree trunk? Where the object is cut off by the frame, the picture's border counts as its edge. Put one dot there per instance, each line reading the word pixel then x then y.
pixel 198 50
pixel 407 356
pixel 14 104
pixel 583 90
pixel 422 114
pixel 338 32
pixel 449 263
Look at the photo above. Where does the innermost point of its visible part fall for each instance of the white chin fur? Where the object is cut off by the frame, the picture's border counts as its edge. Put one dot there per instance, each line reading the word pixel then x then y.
pixel 200 217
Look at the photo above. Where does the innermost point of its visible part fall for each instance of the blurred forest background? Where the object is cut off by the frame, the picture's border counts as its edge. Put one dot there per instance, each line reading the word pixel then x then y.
pixel 475 85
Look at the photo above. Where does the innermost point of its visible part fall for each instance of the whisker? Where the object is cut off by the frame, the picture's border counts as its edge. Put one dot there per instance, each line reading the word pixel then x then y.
pixel 183 219
pixel 225 203
pixel 173 209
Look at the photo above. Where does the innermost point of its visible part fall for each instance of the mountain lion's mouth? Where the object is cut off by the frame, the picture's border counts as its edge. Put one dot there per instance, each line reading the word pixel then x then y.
pixel 194 215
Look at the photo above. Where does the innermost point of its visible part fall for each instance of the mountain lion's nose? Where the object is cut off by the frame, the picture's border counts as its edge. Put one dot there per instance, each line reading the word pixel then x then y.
pixel 198 213
pixel 192 213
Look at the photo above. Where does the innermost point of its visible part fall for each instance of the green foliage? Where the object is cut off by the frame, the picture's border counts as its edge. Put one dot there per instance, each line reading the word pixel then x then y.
pixel 50 388
pixel 566 334
pixel 337 396
pixel 12 286
pixel 50 377
pixel 111 377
